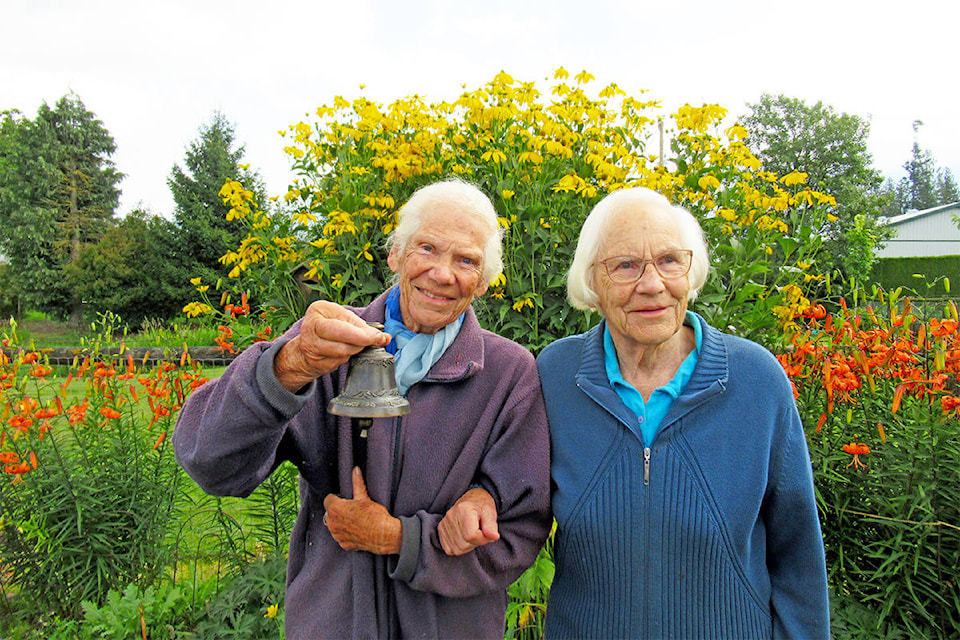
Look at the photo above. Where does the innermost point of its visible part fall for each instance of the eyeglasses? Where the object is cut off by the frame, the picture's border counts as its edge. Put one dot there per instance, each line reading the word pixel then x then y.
pixel 627 269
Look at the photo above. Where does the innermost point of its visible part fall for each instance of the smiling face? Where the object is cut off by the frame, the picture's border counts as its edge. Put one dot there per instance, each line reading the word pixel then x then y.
pixel 651 310
pixel 440 268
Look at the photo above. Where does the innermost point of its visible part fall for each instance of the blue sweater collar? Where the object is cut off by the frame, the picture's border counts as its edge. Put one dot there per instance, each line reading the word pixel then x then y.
pixel 709 376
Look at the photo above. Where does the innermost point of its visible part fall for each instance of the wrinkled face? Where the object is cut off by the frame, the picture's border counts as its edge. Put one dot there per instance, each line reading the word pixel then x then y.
pixel 440 268
pixel 651 310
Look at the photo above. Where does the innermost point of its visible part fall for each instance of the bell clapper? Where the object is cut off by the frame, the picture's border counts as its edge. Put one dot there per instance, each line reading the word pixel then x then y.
pixel 364 424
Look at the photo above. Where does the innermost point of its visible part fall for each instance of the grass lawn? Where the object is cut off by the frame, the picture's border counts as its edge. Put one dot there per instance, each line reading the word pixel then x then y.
pixel 46 332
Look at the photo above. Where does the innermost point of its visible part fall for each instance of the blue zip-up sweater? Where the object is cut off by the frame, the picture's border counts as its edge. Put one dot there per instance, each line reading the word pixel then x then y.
pixel 710 531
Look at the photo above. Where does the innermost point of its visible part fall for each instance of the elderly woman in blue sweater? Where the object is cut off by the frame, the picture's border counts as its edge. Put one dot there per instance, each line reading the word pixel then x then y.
pixel 682 484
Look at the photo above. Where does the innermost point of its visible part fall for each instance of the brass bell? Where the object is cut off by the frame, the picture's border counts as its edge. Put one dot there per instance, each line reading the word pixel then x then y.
pixel 370 390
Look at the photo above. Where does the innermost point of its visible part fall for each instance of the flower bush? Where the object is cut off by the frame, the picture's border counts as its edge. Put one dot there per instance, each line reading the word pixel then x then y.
pixel 544 163
pixel 89 481
pixel 879 390
pixel 98 523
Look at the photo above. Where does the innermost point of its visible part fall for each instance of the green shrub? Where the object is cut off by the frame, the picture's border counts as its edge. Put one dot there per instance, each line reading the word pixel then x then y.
pixel 250 607
pixel 924 276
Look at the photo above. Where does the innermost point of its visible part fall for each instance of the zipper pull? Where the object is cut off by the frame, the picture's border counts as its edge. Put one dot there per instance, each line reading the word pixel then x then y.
pixel 646 465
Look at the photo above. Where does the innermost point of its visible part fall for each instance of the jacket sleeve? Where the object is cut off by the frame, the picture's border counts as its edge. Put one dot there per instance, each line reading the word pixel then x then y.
pixel 515 470
pixel 230 434
pixel 795 555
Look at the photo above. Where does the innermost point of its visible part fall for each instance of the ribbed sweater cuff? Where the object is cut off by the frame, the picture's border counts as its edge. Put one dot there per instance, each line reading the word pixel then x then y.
pixel 405 564
pixel 288 404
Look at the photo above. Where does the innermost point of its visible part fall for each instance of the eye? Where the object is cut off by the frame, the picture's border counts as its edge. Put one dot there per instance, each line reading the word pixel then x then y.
pixel 468 261
pixel 667 259
pixel 425 248
pixel 625 265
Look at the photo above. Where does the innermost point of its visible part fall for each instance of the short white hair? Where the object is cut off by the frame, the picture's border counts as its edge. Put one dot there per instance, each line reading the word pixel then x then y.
pixel 467 198
pixel 580 291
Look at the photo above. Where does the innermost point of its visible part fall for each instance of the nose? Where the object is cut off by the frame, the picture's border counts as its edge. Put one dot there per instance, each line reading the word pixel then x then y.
pixel 442 272
pixel 650 280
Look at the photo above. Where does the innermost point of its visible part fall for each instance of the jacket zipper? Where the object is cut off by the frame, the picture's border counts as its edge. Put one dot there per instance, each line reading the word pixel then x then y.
pixel 646 465
pixel 394 481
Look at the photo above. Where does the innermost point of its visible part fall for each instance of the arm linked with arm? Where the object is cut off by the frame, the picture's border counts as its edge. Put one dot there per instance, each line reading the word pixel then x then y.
pixel 516 472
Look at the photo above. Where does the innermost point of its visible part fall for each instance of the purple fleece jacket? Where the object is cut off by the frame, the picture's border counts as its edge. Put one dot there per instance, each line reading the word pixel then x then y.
pixel 478 418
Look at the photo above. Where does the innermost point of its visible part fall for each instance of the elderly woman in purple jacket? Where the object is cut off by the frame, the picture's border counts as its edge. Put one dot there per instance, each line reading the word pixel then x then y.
pixel 453 503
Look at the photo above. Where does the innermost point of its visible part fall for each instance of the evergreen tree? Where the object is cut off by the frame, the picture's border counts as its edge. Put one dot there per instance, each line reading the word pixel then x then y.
pixel 946 188
pixel 205 233
pixel 918 185
pixel 925 186
pixel 58 193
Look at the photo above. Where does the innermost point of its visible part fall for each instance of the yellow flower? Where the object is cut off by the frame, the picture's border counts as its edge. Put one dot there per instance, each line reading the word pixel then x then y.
pixel 203 288
pixel 195 281
pixel 365 253
pixel 304 217
pixel 272 611
pixel 560 74
pixel 494 154
pixel 507 194
pixel 499 281
pixel 736 132
pixel 525 301
pixel 709 181
pixel 337 281
pixel 530 156
pixel 794 178
pixel 569 182
pixel 195 309
pixel 583 77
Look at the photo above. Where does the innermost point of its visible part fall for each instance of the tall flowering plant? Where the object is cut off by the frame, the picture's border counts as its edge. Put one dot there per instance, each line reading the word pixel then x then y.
pixel 88 481
pixel 545 155
pixel 879 389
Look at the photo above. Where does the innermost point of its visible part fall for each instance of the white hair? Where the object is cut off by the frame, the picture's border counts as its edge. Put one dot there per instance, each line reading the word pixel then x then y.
pixel 467 198
pixel 580 290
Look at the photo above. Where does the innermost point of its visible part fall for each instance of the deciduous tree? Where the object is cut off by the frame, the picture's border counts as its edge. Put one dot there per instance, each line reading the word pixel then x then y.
pixel 787 134
pixel 135 271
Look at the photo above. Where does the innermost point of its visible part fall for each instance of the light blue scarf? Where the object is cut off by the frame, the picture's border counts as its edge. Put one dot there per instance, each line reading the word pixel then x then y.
pixel 414 353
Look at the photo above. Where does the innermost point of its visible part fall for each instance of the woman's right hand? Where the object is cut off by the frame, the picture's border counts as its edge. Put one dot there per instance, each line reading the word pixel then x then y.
pixel 329 335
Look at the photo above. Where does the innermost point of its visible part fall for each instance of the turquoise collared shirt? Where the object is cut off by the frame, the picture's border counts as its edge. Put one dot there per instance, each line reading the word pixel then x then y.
pixel 650 414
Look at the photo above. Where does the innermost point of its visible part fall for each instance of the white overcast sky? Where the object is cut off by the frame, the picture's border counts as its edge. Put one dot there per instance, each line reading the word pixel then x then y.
pixel 155 72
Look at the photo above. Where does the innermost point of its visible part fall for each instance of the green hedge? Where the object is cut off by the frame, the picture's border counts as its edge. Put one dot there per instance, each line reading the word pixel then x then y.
pixel 891 273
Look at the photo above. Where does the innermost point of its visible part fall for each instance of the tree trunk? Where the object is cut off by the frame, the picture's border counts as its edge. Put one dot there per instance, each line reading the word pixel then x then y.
pixel 76 303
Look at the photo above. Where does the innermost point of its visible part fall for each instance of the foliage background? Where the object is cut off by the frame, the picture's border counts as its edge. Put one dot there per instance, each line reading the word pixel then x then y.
pixel 545 155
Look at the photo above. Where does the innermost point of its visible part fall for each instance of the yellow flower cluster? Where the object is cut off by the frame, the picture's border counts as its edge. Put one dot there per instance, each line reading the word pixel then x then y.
pixel 546 157
pixel 240 200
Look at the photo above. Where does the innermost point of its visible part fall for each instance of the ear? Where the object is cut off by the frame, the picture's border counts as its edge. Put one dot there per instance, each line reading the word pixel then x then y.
pixel 481 289
pixel 394 259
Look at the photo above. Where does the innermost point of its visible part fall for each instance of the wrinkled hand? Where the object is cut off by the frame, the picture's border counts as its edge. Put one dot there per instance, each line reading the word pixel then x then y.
pixel 329 335
pixel 470 523
pixel 361 524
